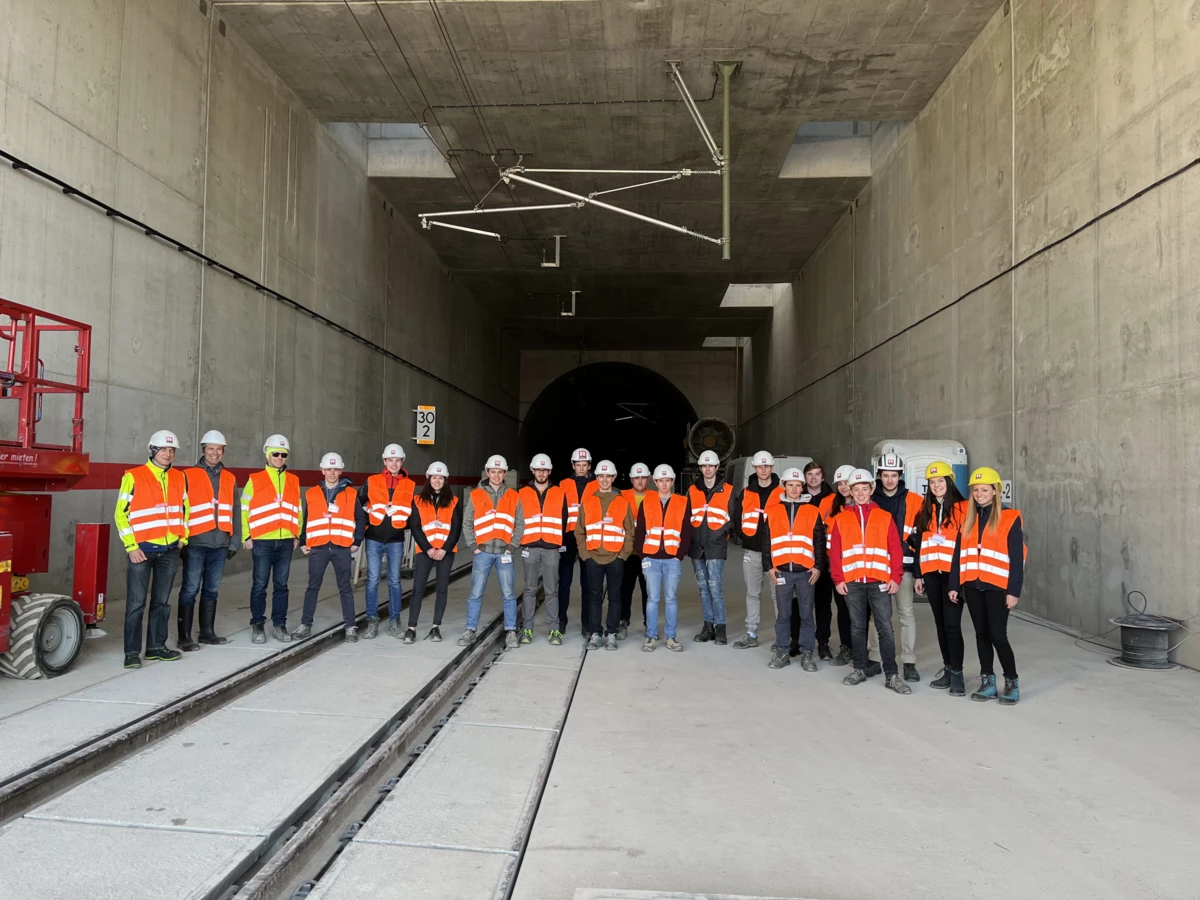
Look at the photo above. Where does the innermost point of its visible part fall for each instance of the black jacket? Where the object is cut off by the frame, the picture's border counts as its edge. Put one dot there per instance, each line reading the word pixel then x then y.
pixel 418 533
pixel 711 543
pixel 819 554
pixel 752 542
pixel 385 532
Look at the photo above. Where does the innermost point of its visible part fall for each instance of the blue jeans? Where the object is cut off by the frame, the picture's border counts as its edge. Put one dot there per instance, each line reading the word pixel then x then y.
pixel 395 557
pixel 203 568
pixel 480 567
pixel 272 562
pixel 709 573
pixel 662 579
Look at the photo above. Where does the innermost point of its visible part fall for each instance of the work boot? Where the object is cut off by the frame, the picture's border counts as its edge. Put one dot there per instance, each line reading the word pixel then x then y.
pixel 844 657
pixel 510 640
pixel 351 634
pixel 133 661
pixel 163 654
pixel 258 634
pixel 807 663
pixel 280 633
pixel 719 637
pixel 556 638
pixel 779 659
pixel 823 651
pixel 856 676
pixel 942 682
pixel 911 673
pixel 467 639
pixel 595 642
pixel 1011 693
pixel 957 688
pixel 435 634
pixel 183 625
pixel 987 688
pixel 706 634
pixel 623 631
pixel 527 636
pixel 650 644
pixel 410 635
pixel 394 628
pixel 610 642
pixel 674 646
pixel 746 642
pixel 372 630
pixel 302 631
pixel 873 668
pixel 208 618
pixel 894 683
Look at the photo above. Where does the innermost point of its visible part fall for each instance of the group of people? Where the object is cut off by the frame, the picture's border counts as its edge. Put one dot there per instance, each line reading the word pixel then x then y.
pixel 863 546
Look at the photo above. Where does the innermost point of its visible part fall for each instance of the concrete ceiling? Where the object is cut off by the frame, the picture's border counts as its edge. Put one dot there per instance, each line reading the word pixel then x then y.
pixel 583 84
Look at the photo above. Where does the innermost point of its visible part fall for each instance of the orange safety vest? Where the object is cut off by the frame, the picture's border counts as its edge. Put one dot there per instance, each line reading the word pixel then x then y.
pixel 663 531
pixel 571 492
pixel 792 542
pixel 436 523
pixel 151 515
pixel 864 558
pixel 825 508
pixel 715 510
pixel 206 512
pixel 605 531
pixel 396 503
pixel 330 523
pixel 912 506
pixel 985 558
pixel 270 511
pixel 493 523
pixel 541 526
pixel 937 543
pixel 752 513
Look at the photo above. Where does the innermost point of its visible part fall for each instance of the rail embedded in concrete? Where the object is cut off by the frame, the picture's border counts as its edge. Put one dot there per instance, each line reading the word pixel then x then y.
pixel 48 778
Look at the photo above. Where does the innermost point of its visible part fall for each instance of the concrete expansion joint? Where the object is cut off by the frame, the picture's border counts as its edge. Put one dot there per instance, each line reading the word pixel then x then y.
pixel 304 712
pixel 115 702
pixel 143 826
pixel 503 725
pixel 431 846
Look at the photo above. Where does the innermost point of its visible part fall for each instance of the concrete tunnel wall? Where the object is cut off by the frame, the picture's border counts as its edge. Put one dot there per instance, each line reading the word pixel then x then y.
pixel 1078 375
pixel 145 105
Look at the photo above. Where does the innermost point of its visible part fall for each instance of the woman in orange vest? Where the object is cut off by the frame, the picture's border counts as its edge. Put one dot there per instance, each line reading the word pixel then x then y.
pixel 989 569
pixel 333 530
pixel 932 544
pixel 435 529
pixel 662 535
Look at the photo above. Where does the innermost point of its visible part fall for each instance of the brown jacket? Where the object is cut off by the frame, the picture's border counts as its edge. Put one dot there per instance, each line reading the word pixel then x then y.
pixel 602 556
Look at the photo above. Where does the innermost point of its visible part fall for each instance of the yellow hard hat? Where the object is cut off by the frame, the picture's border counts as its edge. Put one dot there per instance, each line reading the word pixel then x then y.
pixel 939 469
pixel 985 475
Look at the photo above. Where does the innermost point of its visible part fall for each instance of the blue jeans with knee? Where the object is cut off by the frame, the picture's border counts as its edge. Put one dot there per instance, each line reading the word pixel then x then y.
pixel 203 569
pixel 395 558
pixel 662 580
pixel 272 562
pixel 709 573
pixel 482 564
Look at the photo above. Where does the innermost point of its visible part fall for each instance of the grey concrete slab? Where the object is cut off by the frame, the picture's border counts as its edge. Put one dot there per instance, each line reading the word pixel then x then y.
pixel 165 682
pixel 533 695
pixel 47 730
pixel 609 894
pixel 55 861
pixel 390 872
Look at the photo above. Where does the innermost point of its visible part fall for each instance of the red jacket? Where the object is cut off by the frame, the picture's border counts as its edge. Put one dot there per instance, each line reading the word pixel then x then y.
pixel 895 554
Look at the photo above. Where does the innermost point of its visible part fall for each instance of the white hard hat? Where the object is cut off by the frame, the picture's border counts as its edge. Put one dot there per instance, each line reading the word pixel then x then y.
pixel 163 439
pixel 709 458
pixel 581 455
pixel 393 451
pixel 639 470
pixel 664 471
pixel 792 474
pixel 606 467
pixel 861 476
pixel 763 458
pixel 891 462
pixel 437 468
pixel 212 437
pixel 540 461
pixel 843 473
pixel 279 442
pixel 332 461
pixel 497 462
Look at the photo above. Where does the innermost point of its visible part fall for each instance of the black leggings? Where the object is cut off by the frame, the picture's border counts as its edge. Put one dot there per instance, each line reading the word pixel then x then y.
pixel 989 612
pixel 421 567
pixel 947 616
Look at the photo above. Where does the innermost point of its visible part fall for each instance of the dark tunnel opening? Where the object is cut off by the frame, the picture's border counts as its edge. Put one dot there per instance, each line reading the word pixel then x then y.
pixel 619 411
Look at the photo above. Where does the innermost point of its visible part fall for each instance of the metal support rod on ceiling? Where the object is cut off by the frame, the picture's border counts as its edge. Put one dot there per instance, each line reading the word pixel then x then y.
pixel 514 176
pixel 428 222
pixel 709 141
pixel 630 187
pixel 496 209
pixel 726 68
pixel 682 172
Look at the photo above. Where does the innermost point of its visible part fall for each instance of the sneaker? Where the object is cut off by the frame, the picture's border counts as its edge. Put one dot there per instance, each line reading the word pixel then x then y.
pixel 957 687
pixel 351 634
pixel 987 688
pixel 823 652
pixel 873 668
pixel 674 646
pixel 894 683
pixel 911 673
pixel 133 661
pixel 856 676
pixel 467 639
pixel 779 659
pixel 623 631
pixel 844 657
pixel 807 663
pixel 650 644
pixel 595 642
pixel 372 631
pixel 258 634
pixel 410 635
pixel 527 636
pixel 435 634
pixel 302 631
pixel 610 642
pixel 510 640
pixel 556 638
pixel 394 628
pixel 280 633
pixel 746 642
pixel 942 682
pixel 1011 693
pixel 163 654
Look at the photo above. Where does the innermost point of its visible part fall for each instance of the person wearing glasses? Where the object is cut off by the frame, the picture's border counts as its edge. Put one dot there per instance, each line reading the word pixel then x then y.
pixel 271 520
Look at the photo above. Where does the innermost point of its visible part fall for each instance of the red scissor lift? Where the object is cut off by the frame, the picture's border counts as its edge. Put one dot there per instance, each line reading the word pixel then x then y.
pixel 41 634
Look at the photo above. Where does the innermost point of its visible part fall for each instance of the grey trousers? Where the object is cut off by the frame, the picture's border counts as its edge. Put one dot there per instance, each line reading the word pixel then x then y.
pixel 543 562
pixel 752 571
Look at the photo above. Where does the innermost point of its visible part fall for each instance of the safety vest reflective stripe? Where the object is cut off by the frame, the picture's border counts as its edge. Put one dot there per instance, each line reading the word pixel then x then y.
pixel 271 510
pixel 604 530
pixel 864 556
pixel 752 512
pixel 330 523
pixel 544 526
pixel 493 523
pixel 663 527
pixel 206 512
pixel 986 558
pixel 791 541
pixel 571 492
pixel 912 506
pixel 396 502
pixel 714 509
pixel 155 514
pixel 435 522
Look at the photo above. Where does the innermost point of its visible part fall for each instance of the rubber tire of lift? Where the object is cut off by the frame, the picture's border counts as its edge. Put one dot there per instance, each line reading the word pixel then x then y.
pixel 31 614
